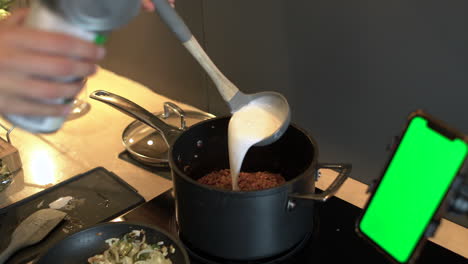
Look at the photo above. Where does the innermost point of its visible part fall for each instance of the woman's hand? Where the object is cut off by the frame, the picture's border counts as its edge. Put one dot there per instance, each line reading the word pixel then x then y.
pixel 30 58
pixel 149 6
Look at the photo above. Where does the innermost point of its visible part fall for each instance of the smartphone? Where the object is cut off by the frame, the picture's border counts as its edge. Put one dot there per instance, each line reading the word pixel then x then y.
pixel 410 193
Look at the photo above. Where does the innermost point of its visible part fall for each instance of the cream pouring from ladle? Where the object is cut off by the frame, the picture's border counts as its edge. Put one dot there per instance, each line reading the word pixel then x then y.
pixel 276 103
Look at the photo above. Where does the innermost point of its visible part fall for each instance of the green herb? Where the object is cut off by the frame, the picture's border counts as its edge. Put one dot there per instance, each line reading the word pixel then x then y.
pixel 4 8
pixel 5 4
pixel 125 248
pixel 144 256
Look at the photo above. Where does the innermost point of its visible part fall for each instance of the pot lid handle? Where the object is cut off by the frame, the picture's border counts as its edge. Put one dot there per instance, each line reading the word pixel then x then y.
pixel 168 107
pixel 345 170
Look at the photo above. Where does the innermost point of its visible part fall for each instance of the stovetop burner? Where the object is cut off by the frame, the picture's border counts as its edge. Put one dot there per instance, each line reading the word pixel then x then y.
pixel 286 257
pixel 333 240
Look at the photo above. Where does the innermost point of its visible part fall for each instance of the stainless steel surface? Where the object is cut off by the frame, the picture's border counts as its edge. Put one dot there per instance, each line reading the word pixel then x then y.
pixel 170 107
pixel 130 108
pixel 330 191
pixel 8 132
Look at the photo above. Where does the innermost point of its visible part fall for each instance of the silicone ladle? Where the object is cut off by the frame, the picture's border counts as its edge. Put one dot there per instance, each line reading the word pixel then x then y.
pixel 274 102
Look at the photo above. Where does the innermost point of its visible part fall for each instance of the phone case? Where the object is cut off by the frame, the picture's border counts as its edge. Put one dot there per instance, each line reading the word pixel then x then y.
pixel 451 133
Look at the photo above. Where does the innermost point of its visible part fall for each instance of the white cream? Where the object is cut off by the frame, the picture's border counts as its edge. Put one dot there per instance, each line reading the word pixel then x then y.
pixel 248 126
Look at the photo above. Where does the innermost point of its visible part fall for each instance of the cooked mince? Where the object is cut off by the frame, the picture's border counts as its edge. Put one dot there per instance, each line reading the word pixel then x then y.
pixel 248 181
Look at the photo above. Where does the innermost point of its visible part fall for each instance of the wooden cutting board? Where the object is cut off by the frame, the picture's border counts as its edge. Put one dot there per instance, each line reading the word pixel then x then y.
pixel 9 156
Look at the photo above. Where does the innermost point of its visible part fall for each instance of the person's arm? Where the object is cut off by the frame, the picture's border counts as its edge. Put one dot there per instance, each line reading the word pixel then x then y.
pixel 30 58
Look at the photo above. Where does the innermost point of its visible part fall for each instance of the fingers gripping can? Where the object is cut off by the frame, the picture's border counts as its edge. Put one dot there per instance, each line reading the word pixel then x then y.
pixel 90 20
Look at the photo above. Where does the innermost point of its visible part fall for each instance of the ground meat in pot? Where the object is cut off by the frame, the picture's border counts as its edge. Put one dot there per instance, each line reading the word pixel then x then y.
pixel 248 181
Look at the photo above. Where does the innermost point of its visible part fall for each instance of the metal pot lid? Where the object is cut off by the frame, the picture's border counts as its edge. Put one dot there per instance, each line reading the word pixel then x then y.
pixel 147 145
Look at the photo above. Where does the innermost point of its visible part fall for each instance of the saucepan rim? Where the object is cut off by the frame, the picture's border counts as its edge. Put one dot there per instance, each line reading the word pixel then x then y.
pixel 287 185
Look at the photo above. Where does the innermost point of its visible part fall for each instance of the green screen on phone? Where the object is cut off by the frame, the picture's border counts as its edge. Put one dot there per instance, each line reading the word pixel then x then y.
pixel 412 189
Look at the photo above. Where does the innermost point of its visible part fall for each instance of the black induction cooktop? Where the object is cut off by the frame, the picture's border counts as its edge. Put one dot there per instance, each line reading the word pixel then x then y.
pixel 333 241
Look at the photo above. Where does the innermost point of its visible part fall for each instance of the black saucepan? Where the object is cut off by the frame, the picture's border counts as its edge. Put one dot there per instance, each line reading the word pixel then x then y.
pixel 241 226
pixel 77 248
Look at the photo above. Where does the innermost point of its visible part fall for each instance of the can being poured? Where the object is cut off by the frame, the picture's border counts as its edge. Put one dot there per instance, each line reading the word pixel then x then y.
pixel 89 20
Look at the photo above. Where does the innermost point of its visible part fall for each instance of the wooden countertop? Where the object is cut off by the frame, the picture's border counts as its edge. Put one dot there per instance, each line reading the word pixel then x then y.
pixel 94 140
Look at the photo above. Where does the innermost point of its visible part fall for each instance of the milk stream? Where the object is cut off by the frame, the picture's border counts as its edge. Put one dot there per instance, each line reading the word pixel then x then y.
pixel 248 126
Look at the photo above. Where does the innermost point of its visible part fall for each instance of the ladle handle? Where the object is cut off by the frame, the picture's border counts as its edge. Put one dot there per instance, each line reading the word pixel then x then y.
pixel 173 20
pixel 170 17
pixel 132 109
pixel 8 252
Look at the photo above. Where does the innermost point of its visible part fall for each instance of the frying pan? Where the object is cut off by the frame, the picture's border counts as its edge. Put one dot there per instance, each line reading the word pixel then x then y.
pixel 77 248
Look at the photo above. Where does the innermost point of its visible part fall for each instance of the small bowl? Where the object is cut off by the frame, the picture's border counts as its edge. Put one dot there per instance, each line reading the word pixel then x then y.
pixel 77 248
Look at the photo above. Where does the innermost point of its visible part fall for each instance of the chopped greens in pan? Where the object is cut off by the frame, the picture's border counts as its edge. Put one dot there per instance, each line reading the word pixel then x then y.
pixel 133 249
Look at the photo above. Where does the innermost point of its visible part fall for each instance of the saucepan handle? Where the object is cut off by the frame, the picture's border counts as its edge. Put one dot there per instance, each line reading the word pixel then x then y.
pixel 344 172
pixel 132 109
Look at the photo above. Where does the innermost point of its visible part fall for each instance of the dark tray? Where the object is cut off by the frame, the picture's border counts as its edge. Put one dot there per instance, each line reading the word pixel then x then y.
pixel 99 196
pixel 164 172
